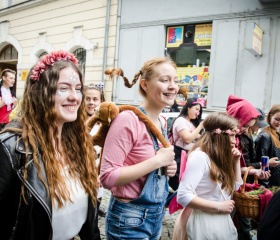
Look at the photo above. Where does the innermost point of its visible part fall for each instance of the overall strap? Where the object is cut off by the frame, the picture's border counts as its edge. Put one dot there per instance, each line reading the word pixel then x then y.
pixel 155 141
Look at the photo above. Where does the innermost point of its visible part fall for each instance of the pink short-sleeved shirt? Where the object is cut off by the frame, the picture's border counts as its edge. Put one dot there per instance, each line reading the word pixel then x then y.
pixel 127 143
pixel 180 124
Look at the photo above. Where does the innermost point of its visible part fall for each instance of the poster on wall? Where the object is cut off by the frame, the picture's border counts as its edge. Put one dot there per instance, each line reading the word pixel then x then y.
pixel 196 80
pixel 174 36
pixel 203 34
pixel 24 74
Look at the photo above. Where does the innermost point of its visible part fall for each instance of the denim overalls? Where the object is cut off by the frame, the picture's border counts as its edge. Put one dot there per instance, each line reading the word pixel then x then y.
pixel 142 217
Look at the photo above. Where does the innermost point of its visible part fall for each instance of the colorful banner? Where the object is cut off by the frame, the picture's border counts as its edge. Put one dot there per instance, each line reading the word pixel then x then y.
pixel 174 36
pixel 203 34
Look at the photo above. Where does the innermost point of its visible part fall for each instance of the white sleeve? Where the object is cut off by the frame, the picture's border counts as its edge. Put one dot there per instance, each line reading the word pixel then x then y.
pixel 196 167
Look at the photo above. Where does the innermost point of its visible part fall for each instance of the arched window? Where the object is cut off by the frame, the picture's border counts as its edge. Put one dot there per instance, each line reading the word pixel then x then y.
pixel 9 54
pixel 42 54
pixel 80 54
pixel 9 59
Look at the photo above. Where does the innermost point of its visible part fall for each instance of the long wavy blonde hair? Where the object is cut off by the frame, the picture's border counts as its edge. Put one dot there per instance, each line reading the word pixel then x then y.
pixel 38 117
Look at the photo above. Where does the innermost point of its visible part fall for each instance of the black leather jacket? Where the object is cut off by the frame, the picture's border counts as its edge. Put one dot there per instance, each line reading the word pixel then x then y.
pixel 265 147
pixel 249 154
pixel 248 151
pixel 32 220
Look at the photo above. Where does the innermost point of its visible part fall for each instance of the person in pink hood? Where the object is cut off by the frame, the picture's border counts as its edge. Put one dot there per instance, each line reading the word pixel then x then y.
pixel 246 114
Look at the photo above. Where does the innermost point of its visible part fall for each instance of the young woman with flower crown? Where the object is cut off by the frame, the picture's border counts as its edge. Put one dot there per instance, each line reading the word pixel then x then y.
pixel 48 178
pixel 212 175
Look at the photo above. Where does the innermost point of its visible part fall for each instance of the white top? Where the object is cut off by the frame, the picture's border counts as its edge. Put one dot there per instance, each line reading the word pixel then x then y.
pixel 181 123
pixel 93 131
pixel 196 181
pixel 68 221
pixel 7 97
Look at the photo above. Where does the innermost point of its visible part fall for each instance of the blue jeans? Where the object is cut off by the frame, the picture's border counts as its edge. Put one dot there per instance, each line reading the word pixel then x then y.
pixel 129 221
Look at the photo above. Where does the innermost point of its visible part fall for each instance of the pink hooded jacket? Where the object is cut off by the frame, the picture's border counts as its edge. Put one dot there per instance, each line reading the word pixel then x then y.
pixel 244 112
pixel 241 110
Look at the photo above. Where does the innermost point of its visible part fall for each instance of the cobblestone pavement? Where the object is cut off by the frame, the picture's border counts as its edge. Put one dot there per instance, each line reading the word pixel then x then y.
pixel 167 225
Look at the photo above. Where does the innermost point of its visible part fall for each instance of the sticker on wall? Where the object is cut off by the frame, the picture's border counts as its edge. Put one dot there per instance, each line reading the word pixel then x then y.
pixel 174 36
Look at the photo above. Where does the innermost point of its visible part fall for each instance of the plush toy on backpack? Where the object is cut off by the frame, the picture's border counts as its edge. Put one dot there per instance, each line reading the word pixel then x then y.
pixel 107 113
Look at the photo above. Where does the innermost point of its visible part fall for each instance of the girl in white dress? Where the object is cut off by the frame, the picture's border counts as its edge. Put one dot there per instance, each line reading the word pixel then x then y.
pixel 212 175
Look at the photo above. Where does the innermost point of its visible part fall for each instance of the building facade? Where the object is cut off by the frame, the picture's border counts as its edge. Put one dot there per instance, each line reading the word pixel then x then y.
pixel 30 29
pixel 221 47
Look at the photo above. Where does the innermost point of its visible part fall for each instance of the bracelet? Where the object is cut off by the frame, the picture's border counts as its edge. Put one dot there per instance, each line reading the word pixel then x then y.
pixel 218 206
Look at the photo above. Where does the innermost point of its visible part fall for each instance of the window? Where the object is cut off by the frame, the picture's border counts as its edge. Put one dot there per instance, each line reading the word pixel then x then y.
pixel 189 46
pixel 9 54
pixel 42 54
pixel 80 54
pixel 9 3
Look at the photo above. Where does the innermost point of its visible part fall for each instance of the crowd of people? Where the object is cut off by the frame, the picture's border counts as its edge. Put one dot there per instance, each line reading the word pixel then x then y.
pixel 52 176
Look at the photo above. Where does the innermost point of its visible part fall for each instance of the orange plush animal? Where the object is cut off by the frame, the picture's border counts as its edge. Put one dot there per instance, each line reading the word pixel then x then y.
pixel 106 114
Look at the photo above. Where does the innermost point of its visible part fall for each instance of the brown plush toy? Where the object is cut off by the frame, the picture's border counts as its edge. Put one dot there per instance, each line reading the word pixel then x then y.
pixel 106 114
pixel 184 91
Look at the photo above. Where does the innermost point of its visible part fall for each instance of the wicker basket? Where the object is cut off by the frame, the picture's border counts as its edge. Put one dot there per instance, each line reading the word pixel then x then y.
pixel 247 206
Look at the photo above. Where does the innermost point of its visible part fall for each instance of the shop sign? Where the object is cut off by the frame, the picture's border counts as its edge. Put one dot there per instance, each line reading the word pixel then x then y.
pixel 203 34
pixel 174 36
pixel 257 39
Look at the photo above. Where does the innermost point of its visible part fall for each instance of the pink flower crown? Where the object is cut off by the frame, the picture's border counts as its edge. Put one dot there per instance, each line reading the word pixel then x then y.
pixel 228 131
pixel 48 60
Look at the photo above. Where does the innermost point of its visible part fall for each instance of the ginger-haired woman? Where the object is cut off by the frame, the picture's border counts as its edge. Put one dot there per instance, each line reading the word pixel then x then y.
pixel 212 175
pixel 132 158
pixel 48 178
pixel 268 144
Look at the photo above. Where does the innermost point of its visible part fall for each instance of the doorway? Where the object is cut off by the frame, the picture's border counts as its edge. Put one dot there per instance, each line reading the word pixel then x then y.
pixel 9 59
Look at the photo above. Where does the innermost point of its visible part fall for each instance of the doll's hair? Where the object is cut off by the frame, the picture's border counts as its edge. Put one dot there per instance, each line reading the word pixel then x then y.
pixel 146 72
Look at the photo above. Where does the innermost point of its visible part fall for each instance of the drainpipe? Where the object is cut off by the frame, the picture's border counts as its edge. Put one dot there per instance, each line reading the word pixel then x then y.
pixel 106 39
pixel 117 50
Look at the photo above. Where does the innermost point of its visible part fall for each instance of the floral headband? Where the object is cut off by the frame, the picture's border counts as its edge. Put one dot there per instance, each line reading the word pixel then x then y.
pixel 228 131
pixel 48 60
pixel 100 86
